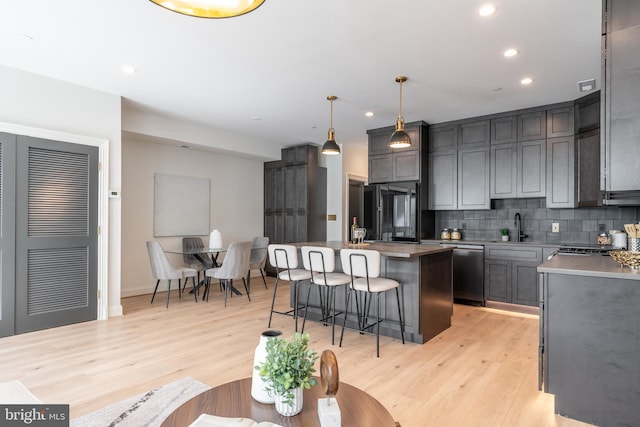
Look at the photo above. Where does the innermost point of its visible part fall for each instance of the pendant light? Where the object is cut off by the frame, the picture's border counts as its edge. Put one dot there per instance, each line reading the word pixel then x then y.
pixel 331 147
pixel 400 139
pixel 210 8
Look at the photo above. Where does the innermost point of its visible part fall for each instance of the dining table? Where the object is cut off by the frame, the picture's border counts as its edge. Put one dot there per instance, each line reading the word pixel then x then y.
pixel 205 256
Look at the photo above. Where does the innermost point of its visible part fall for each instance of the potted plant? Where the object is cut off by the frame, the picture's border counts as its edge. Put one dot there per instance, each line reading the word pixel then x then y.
pixel 287 370
pixel 505 234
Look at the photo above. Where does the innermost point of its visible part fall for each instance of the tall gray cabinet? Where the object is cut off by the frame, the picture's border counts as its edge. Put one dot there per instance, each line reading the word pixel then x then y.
pixel 295 196
pixel 620 94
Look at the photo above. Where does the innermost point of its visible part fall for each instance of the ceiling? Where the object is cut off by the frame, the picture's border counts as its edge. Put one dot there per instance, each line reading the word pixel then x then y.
pixel 268 73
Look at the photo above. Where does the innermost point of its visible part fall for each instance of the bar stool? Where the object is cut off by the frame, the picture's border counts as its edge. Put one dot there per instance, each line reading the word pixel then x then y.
pixel 285 260
pixel 363 266
pixel 321 262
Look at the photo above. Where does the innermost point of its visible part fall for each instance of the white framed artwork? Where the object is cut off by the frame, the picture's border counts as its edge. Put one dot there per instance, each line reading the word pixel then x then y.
pixel 180 205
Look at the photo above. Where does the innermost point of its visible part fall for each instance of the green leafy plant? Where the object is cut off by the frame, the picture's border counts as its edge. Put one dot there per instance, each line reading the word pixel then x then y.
pixel 504 231
pixel 289 364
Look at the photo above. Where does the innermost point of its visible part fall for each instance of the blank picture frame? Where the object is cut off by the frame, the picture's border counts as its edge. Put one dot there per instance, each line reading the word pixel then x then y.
pixel 181 205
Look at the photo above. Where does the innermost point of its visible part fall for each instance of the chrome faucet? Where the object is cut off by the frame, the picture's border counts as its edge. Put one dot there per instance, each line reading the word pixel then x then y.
pixel 517 221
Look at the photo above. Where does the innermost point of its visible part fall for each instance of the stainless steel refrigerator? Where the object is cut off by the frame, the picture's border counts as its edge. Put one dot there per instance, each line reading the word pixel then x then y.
pixel 392 212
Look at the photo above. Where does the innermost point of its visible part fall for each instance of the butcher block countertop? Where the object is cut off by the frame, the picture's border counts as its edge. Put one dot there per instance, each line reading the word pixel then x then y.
pixel 396 250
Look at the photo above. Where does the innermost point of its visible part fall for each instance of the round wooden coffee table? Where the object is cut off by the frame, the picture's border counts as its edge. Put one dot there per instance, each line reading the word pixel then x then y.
pixel 234 399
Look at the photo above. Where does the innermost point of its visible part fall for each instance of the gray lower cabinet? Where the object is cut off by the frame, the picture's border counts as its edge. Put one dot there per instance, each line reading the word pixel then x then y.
pixel 510 273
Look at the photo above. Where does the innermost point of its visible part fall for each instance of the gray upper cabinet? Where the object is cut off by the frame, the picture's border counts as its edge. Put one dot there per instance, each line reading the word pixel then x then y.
pixel 443 180
pixel 459 165
pixel 532 125
pixel 504 130
pixel 587 113
pixel 588 164
pixel 503 171
pixel 399 164
pixel 443 137
pixel 473 178
pixel 621 74
pixel 561 184
pixel 560 121
pixel 531 169
pixel 474 133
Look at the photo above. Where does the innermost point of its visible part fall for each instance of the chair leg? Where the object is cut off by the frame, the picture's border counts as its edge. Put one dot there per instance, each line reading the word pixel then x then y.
pixel 346 310
pixel 180 288
pixel 247 286
pixel 305 309
pixel 225 285
pixel 263 279
pixel 295 303
pixel 168 293
pixel 205 293
pixel 154 291
pixel 378 324
pixel 400 316
pixel 195 294
pixel 273 301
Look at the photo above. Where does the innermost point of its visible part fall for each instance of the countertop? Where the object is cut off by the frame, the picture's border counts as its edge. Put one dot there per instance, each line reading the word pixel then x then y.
pixel 588 265
pixel 396 250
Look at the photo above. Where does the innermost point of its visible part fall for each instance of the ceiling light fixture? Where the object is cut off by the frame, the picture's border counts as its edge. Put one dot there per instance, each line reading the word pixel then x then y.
pixel 210 8
pixel 487 10
pixel 331 147
pixel 511 52
pixel 400 139
pixel 526 81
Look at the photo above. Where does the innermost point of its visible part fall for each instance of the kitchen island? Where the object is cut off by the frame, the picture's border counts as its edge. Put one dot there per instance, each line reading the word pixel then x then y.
pixel 590 338
pixel 426 294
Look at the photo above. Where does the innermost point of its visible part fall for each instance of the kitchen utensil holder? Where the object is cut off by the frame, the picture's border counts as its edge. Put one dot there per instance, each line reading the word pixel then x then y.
pixel 633 244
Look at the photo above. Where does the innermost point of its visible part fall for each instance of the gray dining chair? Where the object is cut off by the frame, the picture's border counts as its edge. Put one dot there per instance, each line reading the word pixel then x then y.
pixel 162 269
pixel 199 262
pixel 258 258
pixel 234 266
pixel 363 265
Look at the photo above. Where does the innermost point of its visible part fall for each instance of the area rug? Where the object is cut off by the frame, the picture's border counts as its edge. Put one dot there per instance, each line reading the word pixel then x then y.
pixel 146 409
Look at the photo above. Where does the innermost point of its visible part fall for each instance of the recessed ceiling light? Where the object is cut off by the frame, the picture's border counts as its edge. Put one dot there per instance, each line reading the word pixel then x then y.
pixel 487 10
pixel 26 37
pixel 129 69
pixel 369 114
pixel 256 118
pixel 511 52
pixel 526 81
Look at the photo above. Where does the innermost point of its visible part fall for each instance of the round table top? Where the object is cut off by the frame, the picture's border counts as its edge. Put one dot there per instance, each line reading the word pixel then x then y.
pixel 234 400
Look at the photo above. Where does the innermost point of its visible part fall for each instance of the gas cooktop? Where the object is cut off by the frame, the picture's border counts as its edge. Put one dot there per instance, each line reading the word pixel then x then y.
pixel 584 250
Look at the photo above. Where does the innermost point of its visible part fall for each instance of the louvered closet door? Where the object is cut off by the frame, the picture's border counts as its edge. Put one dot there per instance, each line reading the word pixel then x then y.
pixel 7 233
pixel 56 233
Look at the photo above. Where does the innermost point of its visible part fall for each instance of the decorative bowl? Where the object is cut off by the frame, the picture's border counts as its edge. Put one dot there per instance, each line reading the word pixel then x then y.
pixel 629 258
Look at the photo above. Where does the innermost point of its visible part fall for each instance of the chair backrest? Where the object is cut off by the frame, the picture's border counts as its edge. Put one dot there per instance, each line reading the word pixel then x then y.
pixel 236 261
pixel 283 257
pixel 259 246
pixel 360 262
pixel 318 259
pixel 190 243
pixel 161 268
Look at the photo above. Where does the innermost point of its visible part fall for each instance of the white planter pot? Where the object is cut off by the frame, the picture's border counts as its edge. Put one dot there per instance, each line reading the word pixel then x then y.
pixel 258 386
pixel 505 238
pixel 290 410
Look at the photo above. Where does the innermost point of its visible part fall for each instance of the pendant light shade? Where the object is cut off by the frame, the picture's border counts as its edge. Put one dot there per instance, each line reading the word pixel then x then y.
pixel 400 139
pixel 331 147
pixel 210 8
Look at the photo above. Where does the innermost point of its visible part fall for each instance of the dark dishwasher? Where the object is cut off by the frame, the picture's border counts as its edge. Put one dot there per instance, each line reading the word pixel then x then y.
pixel 468 273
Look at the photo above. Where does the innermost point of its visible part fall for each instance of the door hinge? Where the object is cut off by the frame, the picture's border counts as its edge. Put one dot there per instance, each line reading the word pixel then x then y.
pixel 98 230
pixel 99 166
pixel 99 294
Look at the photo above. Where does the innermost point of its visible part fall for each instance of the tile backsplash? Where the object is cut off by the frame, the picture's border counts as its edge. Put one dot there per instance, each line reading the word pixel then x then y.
pixel 580 225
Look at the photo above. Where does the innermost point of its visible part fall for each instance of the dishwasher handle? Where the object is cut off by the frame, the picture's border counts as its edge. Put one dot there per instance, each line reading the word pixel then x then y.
pixel 463 246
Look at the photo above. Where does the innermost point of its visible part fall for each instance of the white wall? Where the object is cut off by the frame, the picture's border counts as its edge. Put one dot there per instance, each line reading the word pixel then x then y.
pixel 236 201
pixel 39 102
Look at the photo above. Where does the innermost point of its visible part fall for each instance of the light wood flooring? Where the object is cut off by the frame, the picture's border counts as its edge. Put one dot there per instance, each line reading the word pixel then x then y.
pixel 480 372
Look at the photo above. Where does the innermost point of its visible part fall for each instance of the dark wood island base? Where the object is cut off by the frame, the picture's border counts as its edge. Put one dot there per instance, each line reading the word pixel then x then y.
pixel 426 293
